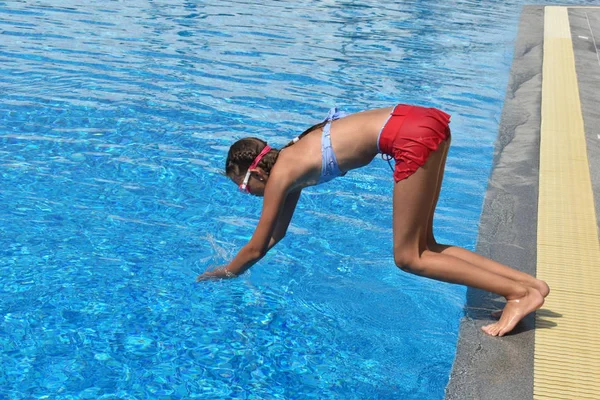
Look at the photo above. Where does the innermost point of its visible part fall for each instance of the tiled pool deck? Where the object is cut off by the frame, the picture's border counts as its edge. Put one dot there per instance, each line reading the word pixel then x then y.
pixel 540 215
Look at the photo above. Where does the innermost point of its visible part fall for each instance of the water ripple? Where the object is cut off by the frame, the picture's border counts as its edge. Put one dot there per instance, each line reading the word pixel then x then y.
pixel 114 126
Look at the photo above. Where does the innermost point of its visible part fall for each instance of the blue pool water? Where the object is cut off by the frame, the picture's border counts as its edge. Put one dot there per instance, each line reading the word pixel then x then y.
pixel 115 120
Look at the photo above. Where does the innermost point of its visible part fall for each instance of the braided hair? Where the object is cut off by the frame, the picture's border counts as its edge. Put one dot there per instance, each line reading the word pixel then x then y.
pixel 243 152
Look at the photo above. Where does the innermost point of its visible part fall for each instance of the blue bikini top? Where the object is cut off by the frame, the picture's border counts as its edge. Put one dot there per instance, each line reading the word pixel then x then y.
pixel 329 165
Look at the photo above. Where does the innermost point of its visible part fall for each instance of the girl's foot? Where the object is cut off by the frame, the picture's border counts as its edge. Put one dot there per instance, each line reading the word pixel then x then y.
pixel 537 284
pixel 514 311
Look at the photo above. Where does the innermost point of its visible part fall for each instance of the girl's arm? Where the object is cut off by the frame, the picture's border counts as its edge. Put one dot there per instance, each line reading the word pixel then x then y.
pixel 276 215
pixel 285 218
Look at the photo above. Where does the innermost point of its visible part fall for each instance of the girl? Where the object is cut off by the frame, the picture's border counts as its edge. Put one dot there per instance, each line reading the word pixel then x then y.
pixel 418 139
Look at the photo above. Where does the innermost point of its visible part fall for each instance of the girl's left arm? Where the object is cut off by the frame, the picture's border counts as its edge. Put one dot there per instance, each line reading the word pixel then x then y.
pixel 273 206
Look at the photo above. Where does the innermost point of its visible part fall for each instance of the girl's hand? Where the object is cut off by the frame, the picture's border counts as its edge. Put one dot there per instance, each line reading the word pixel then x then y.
pixel 219 273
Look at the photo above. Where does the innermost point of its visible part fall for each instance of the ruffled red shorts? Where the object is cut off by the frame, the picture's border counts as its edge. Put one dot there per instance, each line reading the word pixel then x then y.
pixel 410 134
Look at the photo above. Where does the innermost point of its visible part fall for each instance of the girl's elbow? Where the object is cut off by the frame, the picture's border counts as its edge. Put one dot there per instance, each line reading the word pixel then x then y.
pixel 256 253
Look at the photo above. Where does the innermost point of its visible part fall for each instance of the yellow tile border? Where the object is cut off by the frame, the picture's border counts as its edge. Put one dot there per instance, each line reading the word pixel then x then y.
pixel 567 348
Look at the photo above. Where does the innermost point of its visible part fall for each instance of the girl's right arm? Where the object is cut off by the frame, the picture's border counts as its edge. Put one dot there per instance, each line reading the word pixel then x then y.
pixel 289 206
pixel 274 206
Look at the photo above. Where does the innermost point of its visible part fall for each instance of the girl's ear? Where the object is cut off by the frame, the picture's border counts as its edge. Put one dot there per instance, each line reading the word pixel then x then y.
pixel 260 173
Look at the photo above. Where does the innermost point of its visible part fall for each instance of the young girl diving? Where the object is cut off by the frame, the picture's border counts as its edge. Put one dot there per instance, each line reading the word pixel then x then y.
pixel 417 138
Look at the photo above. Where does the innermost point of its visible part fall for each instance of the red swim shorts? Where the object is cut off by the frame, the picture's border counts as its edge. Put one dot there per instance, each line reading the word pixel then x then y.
pixel 410 134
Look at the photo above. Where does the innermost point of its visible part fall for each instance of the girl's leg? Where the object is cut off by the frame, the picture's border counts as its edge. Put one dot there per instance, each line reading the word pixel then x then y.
pixel 493 266
pixel 440 177
pixel 475 258
pixel 413 199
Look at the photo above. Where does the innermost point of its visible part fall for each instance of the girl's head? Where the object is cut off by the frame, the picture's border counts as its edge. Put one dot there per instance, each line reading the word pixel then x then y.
pixel 249 163
pixel 250 160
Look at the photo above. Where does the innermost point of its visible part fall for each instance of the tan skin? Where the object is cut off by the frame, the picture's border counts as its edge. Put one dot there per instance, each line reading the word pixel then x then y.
pixel 354 140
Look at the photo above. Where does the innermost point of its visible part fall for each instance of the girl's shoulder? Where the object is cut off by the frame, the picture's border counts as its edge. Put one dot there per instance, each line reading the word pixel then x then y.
pixel 299 164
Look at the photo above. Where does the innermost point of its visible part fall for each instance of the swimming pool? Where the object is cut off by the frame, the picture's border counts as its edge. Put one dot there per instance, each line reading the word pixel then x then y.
pixel 114 126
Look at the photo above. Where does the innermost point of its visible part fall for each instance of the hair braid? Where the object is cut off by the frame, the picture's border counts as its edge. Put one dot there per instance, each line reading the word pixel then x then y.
pixel 306 132
pixel 243 152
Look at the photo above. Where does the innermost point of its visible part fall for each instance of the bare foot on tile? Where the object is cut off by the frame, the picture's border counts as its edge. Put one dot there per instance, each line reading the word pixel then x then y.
pixel 537 284
pixel 514 311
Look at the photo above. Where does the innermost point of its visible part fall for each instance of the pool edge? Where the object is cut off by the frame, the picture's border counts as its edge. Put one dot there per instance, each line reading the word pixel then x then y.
pixel 486 367
pixel 504 368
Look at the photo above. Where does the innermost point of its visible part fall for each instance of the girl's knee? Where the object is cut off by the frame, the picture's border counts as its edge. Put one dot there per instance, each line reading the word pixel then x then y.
pixel 408 261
